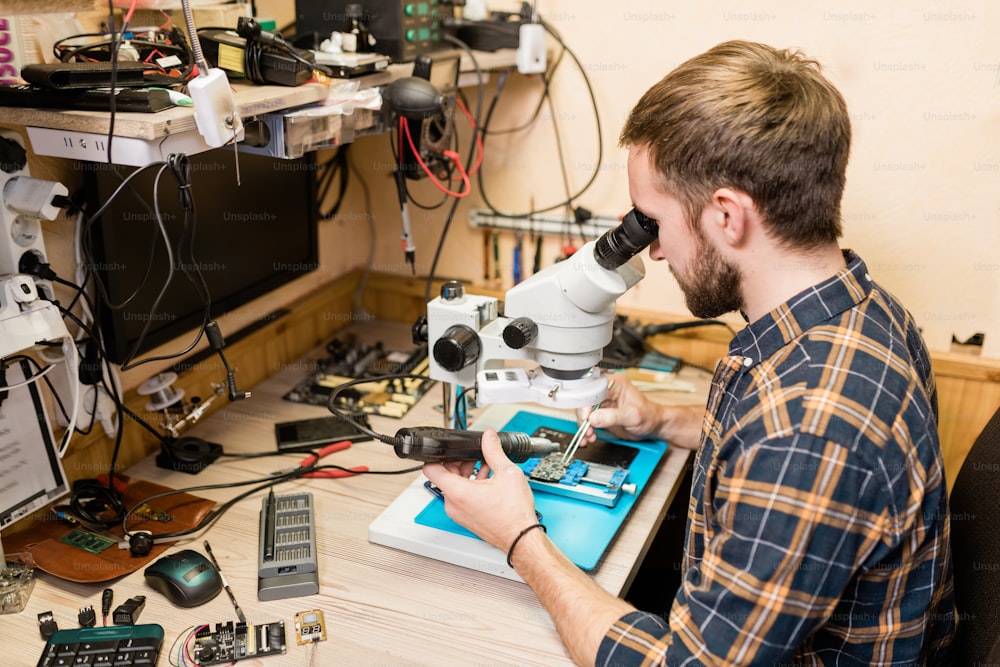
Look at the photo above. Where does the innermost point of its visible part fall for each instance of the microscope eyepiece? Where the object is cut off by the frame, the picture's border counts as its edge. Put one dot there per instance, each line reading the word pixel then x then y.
pixel 622 243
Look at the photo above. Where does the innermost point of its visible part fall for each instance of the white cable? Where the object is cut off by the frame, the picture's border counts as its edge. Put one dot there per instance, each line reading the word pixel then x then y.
pixel 80 274
pixel 108 371
pixel 31 380
pixel 72 355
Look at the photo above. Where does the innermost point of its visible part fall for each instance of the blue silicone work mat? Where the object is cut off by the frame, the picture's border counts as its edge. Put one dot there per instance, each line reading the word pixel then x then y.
pixel 582 530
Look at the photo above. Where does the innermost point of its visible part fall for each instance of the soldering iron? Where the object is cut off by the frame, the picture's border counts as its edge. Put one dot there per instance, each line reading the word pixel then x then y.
pixel 432 444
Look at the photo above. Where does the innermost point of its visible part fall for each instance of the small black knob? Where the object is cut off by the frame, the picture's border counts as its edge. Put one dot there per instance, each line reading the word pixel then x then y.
pixel 13 157
pixel 519 332
pixel 418 332
pixel 457 348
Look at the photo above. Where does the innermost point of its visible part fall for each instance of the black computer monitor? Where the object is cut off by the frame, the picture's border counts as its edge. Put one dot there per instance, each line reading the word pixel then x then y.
pixel 247 239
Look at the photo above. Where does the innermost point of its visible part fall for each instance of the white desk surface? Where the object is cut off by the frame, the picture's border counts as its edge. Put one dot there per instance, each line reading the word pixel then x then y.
pixel 382 606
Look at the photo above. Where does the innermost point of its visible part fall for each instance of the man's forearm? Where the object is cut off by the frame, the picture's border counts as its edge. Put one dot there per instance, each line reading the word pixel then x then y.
pixel 681 425
pixel 582 610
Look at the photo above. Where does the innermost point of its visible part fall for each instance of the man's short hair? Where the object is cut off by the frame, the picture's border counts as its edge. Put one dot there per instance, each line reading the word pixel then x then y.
pixel 757 119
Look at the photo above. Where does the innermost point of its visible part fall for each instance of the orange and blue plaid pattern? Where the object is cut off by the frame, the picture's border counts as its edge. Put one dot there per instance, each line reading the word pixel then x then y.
pixel 818 526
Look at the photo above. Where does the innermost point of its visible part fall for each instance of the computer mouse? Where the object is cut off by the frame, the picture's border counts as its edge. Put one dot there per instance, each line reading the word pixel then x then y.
pixel 186 578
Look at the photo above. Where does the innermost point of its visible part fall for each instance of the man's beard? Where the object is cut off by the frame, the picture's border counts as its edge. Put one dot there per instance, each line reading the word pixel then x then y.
pixel 712 286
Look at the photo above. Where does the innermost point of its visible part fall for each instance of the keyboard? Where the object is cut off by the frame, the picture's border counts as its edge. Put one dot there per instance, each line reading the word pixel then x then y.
pixel 114 646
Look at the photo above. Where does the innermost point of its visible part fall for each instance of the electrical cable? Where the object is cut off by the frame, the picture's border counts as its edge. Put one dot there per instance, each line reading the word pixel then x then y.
pixel 85 236
pixel 179 166
pixel 546 87
pixel 654 329
pixel 48 382
pixel 180 645
pixel 369 265
pixel 396 136
pixel 335 166
pixel 600 142
pixel 562 156
pixel 475 130
pixel 216 513
pixel 332 406
pixel 405 127
pixel 113 392
pixel 163 44
pixel 115 46
pixel 27 381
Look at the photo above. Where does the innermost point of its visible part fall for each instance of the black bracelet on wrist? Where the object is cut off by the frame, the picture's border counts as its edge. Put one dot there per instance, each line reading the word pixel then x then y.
pixel 510 552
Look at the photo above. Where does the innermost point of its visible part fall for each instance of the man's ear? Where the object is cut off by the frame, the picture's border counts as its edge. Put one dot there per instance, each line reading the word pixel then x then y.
pixel 733 213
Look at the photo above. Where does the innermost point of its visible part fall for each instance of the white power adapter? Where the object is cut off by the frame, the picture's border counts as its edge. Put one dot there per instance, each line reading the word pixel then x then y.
pixel 215 111
pixel 531 49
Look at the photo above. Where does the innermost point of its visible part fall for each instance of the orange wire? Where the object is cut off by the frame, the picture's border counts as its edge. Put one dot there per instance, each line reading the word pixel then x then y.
pixel 131 10
pixel 479 136
pixel 451 154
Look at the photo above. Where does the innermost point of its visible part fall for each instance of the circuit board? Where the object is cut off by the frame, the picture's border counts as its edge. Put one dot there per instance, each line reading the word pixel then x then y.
pixel 86 540
pixel 351 359
pixel 231 642
pixel 597 474
pixel 310 627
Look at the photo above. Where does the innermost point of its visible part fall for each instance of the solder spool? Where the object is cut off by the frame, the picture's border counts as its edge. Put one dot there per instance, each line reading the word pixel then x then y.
pixel 162 394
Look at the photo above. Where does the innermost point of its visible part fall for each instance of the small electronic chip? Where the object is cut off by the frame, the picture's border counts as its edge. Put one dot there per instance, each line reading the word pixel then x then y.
pixel 86 540
pixel 309 627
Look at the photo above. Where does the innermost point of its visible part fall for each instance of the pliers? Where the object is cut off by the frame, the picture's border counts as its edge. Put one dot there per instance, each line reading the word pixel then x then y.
pixel 311 461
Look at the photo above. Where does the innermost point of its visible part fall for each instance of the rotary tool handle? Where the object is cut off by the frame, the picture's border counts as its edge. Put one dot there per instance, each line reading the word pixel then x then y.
pixel 431 444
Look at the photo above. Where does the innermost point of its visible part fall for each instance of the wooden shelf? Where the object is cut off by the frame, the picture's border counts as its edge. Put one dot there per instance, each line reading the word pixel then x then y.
pixel 251 100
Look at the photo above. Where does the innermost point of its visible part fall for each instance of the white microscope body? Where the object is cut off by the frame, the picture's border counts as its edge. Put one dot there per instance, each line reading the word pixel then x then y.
pixel 553 330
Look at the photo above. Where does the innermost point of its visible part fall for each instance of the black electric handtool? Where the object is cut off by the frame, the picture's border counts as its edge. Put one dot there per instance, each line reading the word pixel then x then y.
pixel 430 444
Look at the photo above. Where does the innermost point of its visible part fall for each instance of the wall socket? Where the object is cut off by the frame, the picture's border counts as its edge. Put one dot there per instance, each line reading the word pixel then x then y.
pixel 20 226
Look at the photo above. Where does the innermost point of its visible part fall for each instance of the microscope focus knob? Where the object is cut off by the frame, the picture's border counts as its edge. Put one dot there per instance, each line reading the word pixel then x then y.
pixel 519 332
pixel 458 347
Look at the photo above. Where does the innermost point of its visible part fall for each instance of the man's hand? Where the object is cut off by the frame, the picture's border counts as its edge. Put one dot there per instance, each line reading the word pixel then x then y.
pixel 497 507
pixel 626 413
pixel 629 415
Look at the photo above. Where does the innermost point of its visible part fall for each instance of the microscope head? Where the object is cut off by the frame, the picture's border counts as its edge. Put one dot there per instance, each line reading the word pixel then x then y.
pixel 554 329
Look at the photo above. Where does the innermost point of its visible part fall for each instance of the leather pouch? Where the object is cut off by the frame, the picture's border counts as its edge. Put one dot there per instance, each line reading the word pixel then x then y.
pixel 46 539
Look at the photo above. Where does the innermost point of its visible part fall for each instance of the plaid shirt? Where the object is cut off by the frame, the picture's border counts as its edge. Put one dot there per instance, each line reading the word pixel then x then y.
pixel 818 528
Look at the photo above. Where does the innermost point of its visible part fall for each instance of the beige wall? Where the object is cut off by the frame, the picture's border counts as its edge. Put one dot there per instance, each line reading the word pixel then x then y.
pixel 921 79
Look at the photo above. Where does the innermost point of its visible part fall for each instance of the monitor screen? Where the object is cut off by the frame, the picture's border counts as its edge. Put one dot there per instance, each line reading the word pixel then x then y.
pixel 244 240
pixel 31 474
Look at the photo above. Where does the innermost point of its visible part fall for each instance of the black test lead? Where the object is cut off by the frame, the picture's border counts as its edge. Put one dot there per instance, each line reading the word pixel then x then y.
pixel 225 584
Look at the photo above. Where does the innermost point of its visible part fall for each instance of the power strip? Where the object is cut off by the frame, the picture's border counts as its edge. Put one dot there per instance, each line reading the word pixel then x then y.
pixel 92 147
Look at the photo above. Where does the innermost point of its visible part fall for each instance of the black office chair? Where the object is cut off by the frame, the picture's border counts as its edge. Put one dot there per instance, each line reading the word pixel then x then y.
pixel 975 540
